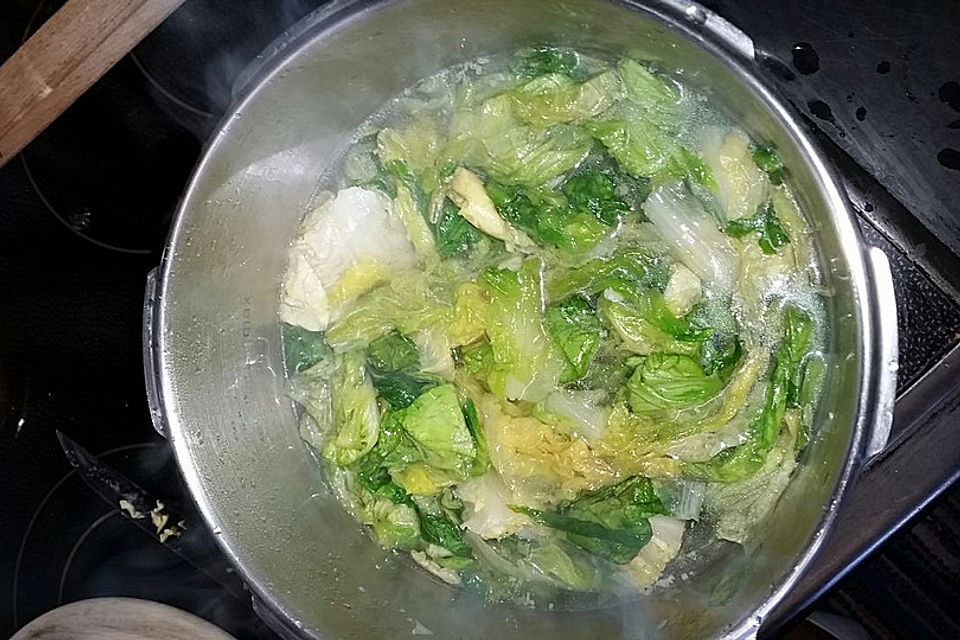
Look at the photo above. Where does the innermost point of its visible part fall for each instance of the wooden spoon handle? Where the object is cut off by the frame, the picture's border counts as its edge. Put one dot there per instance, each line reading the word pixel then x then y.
pixel 64 57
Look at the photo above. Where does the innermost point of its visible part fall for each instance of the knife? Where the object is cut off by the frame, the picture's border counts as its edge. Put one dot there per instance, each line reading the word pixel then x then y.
pixel 190 541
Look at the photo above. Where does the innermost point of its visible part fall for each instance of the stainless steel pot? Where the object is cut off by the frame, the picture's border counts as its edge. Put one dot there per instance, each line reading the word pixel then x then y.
pixel 213 359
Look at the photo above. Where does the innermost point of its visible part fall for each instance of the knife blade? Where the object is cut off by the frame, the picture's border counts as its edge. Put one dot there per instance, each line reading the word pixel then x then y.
pixel 191 541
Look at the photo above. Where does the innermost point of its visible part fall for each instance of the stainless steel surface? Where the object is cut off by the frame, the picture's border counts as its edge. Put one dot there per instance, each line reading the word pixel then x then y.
pixel 216 341
pixel 717 26
pixel 150 300
pixel 887 350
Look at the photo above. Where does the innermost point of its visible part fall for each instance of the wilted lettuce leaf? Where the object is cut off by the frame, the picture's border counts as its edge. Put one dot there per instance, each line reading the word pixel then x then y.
pixel 636 333
pixel 539 462
pixel 595 192
pixel 355 413
pixel 526 363
pixel 468 192
pixel 302 349
pixel 436 424
pixel 455 235
pixel 394 351
pixel 736 508
pixel 409 303
pixel 393 362
pixel 481 457
pixel 721 357
pixel 769 162
pixel 645 324
pixel 744 460
pixel 437 528
pixel 575 328
pixel 650 306
pixel 517 568
pixel 555 98
pixel 402 176
pixel 583 412
pixel 536 61
pixel 641 134
pixel 611 522
pixel 490 137
pixel 723 350
pixel 645 150
pixel 607 370
pixel 417 145
pixel 546 217
pixel 476 358
pixel 394 449
pixel 634 268
pixel 656 99
pixel 669 381
pixel 692 234
pixel 664 545
pixel 418 231
pixel 765 223
pixel 400 388
pixel 394 524
pixel 741 185
pixel 562 563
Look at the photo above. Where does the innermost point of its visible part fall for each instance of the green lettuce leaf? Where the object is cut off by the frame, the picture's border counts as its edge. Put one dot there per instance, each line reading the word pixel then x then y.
pixel 356 417
pixel 645 324
pixel 575 328
pixel 636 333
pixel 612 522
pixel 409 302
pixel 526 363
pixel 736 508
pixel 490 137
pixel 597 193
pixel 765 223
pixel 555 98
pixel 394 524
pixel 633 268
pixel 537 61
pixel 546 217
pixel 455 235
pixel 482 458
pixel 476 358
pixel 393 360
pixel 669 381
pixel 394 351
pixel 646 151
pixel 769 162
pixel 400 388
pixel 417 145
pixel 722 352
pixel 402 176
pixel 744 460
pixel 656 99
pixel 642 136
pixel 436 424
pixel 438 528
pixel 302 348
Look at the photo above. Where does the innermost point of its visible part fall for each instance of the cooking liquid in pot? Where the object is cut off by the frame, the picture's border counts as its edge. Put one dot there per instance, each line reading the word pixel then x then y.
pixel 551 312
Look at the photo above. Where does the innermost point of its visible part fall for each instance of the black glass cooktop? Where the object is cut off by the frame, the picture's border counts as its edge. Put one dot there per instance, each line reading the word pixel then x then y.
pixel 85 208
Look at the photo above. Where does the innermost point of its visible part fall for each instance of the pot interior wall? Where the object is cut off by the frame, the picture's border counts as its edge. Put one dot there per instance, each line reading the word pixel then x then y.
pixel 222 380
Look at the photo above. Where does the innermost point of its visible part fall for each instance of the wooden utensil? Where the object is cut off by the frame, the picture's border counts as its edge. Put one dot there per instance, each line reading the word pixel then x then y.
pixel 64 57
pixel 119 619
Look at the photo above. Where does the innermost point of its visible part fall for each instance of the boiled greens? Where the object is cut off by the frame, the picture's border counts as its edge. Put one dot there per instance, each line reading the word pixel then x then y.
pixel 553 313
